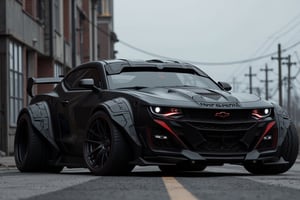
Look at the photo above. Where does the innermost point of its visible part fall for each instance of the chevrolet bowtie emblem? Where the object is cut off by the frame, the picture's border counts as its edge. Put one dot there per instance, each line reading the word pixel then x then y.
pixel 222 115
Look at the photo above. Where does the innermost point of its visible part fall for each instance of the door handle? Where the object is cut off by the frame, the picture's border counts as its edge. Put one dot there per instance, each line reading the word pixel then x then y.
pixel 65 102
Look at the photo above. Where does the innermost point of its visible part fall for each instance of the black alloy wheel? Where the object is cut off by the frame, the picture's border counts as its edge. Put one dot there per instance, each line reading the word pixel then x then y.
pixel 30 152
pixel 105 149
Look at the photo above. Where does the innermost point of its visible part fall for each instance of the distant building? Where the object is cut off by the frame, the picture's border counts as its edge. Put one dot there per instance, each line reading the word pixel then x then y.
pixel 46 38
pixel 106 35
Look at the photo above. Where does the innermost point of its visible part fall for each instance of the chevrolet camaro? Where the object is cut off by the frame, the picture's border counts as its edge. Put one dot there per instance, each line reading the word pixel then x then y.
pixel 111 115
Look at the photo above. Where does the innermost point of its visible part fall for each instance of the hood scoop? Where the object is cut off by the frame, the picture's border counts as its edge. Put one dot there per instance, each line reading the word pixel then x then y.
pixel 210 95
pixel 204 95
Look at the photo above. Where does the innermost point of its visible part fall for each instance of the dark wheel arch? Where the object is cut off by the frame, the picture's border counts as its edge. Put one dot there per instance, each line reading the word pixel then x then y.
pixel 105 149
pixel 29 152
pixel 32 149
pixel 289 152
pixel 119 110
pixel 41 120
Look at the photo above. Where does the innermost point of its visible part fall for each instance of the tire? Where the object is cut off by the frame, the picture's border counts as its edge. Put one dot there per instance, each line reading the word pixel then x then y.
pixel 181 168
pixel 289 151
pixel 105 150
pixel 30 151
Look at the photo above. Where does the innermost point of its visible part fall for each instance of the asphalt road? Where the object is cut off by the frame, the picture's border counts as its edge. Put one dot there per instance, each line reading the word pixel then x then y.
pixel 227 182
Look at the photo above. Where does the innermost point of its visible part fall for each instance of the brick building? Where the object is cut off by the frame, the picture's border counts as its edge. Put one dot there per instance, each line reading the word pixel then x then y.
pixel 46 38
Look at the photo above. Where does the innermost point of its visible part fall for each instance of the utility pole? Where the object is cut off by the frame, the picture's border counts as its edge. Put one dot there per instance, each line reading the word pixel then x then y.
pixel 279 59
pixel 250 79
pixel 267 81
pixel 289 64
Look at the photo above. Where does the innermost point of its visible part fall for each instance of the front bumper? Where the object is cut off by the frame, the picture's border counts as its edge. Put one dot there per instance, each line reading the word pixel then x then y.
pixel 208 140
pixel 188 156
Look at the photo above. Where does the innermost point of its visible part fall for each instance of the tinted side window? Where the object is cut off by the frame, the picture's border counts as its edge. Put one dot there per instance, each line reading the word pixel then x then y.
pixel 73 79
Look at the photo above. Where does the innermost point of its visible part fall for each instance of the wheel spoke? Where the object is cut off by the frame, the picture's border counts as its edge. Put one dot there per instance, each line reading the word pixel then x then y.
pixel 98 143
pixel 100 156
pixel 100 127
pixel 94 133
pixel 95 150
pixel 94 142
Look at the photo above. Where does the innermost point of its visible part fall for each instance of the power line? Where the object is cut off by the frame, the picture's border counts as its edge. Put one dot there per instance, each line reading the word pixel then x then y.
pixel 279 36
pixel 191 61
pixel 210 63
pixel 297 56
pixel 273 36
pixel 144 51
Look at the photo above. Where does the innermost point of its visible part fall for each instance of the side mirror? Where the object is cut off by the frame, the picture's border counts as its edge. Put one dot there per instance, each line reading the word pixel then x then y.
pixel 225 86
pixel 87 83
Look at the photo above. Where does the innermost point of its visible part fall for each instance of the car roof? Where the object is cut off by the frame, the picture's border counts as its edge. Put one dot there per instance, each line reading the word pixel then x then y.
pixel 117 66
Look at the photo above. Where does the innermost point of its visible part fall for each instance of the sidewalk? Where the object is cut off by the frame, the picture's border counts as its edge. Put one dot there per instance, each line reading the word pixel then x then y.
pixel 7 161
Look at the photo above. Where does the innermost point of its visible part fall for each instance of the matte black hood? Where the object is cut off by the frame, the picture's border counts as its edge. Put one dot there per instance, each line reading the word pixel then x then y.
pixel 198 97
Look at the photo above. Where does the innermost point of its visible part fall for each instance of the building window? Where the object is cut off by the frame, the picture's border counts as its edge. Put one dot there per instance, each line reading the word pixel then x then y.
pixel 57 15
pixel 29 7
pixel 16 81
pixel 40 10
pixel 104 7
pixel 58 70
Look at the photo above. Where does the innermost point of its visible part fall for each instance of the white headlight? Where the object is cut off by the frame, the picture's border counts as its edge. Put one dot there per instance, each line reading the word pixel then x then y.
pixel 266 111
pixel 157 109
pixel 166 111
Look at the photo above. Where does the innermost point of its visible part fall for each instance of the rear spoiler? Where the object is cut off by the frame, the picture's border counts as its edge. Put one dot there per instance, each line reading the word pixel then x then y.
pixel 33 81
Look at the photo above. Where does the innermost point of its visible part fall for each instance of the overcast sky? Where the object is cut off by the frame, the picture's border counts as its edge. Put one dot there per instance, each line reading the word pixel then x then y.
pixel 209 31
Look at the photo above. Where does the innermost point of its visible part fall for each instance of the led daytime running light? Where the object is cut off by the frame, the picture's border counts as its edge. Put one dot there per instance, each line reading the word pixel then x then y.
pixel 261 113
pixel 166 112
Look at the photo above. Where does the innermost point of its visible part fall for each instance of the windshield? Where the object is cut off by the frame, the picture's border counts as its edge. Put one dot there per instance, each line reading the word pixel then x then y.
pixel 140 79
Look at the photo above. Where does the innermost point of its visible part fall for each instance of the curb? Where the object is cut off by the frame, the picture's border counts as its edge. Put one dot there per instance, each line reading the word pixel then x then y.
pixel 7 161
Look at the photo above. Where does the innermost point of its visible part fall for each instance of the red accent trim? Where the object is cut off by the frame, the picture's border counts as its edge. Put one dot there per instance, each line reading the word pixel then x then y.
pixel 268 128
pixel 257 115
pixel 164 125
pixel 170 114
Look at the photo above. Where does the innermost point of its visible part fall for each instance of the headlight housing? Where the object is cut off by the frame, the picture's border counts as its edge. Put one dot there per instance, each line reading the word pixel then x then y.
pixel 261 113
pixel 166 111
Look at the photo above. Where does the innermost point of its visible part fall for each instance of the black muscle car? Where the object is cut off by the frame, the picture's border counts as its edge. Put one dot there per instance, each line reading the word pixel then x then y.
pixel 112 115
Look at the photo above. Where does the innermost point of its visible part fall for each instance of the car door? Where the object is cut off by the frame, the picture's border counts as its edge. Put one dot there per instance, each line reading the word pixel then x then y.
pixel 76 105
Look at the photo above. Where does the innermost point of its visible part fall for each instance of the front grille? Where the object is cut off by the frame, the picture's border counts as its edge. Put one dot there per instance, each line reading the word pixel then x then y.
pixel 210 114
pixel 220 137
pixel 223 142
pixel 209 126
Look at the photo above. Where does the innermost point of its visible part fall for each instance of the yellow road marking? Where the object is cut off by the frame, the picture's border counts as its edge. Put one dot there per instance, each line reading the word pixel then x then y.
pixel 176 191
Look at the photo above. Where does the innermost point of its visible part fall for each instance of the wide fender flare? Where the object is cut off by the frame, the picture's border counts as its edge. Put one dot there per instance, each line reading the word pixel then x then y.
pixel 283 122
pixel 120 112
pixel 41 121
